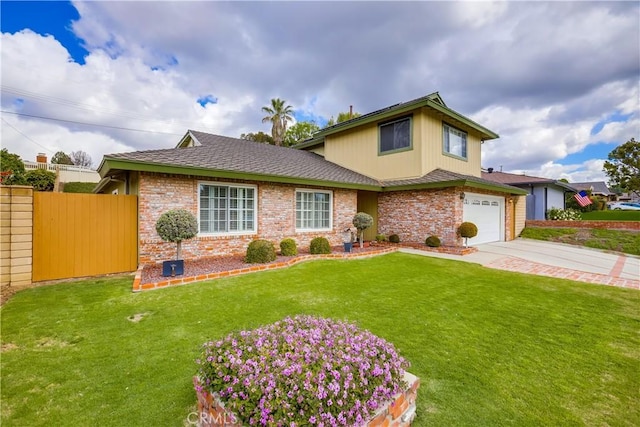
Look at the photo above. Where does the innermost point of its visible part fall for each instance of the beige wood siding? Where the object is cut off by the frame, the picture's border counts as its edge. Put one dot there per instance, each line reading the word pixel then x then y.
pixel 357 149
pixel 368 203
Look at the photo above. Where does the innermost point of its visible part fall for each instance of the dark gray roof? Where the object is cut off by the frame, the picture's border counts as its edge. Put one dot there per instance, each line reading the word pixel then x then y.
pixel 523 180
pixel 596 187
pixel 438 176
pixel 238 155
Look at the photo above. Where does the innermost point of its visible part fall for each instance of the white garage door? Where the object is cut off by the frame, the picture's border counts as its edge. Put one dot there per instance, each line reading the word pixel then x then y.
pixel 487 212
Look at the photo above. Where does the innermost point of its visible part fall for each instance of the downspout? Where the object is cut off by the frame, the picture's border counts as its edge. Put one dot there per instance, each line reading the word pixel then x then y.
pixel 546 193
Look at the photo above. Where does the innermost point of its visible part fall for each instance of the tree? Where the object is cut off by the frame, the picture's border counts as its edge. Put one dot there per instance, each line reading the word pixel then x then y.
pixel 343 117
pixel 299 132
pixel 12 168
pixel 362 221
pixel 258 137
pixel 80 158
pixel 40 179
pixel 177 225
pixel 278 114
pixel 623 166
pixel 61 158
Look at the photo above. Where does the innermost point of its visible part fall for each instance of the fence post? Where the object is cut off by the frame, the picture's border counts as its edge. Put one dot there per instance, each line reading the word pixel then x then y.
pixel 16 235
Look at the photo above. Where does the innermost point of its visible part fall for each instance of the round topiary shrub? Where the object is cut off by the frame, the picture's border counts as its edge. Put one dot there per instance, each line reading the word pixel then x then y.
pixel 177 225
pixel 432 242
pixel 468 229
pixel 319 245
pixel 260 251
pixel 394 238
pixel 288 247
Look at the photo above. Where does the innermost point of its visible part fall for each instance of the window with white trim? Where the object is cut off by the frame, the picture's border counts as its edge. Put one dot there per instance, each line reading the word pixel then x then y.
pixel 313 210
pixel 226 208
pixel 395 135
pixel 454 141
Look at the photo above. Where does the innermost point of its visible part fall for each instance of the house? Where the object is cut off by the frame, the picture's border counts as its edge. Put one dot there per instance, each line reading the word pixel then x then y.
pixel 414 166
pixel 64 173
pixel 597 188
pixel 543 193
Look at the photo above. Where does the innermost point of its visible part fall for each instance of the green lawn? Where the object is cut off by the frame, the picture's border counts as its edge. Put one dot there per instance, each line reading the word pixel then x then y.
pixel 613 240
pixel 612 215
pixel 492 347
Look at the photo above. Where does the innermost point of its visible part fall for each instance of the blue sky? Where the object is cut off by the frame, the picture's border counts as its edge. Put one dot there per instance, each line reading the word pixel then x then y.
pixel 557 81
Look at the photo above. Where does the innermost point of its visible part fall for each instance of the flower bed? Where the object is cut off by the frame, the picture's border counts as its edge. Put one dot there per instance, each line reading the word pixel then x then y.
pixel 304 371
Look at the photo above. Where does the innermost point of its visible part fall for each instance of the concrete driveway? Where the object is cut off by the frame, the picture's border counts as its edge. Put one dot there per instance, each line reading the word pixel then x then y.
pixel 554 260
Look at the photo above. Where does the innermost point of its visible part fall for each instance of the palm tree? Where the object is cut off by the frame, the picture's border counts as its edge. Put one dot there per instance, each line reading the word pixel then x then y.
pixel 278 114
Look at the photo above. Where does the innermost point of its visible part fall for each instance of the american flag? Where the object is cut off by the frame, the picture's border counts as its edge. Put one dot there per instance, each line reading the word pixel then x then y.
pixel 582 198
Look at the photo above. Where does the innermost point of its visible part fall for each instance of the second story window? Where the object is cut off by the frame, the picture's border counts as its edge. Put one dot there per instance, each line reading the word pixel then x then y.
pixel 395 135
pixel 454 141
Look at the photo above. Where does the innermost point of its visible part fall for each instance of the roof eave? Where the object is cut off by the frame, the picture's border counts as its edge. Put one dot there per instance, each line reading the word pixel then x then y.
pixel 457 183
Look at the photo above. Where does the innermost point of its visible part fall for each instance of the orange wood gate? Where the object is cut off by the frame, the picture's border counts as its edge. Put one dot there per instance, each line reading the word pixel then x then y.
pixel 78 235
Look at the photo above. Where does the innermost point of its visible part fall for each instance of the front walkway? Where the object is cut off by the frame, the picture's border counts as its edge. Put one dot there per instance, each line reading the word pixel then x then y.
pixel 554 260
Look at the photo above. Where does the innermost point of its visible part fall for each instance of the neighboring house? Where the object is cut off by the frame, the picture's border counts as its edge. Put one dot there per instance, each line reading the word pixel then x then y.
pixel 64 173
pixel 544 193
pixel 415 167
pixel 597 188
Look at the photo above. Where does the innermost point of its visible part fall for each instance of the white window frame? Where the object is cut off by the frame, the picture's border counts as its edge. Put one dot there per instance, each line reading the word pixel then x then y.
pixel 230 185
pixel 313 191
pixel 447 129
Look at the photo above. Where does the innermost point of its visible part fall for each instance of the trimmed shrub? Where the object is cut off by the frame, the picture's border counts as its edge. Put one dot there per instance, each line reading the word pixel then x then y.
pixel 260 251
pixel 79 187
pixel 319 245
pixel 177 225
pixel 432 242
pixel 394 238
pixel 40 179
pixel 555 214
pixel 288 247
pixel 381 238
pixel 468 229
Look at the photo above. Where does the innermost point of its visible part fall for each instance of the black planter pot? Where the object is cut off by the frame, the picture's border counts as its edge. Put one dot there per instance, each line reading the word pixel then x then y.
pixel 173 268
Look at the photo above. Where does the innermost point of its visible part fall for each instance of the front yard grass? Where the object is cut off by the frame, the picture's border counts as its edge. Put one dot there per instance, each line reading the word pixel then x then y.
pixel 491 347
pixel 611 215
pixel 612 240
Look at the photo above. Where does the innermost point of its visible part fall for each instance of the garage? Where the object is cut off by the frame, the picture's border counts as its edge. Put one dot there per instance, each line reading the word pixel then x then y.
pixel 486 212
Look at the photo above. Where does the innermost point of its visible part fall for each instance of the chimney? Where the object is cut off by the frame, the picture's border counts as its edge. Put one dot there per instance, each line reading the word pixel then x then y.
pixel 350 111
pixel 41 158
pixel 490 170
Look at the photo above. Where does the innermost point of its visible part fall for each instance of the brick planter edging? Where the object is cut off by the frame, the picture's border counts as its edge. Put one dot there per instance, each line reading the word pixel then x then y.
pixel 137 287
pixel 400 412
pixel 611 225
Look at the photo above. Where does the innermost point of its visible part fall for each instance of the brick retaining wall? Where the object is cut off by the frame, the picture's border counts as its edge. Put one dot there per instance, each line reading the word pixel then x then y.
pixel 611 225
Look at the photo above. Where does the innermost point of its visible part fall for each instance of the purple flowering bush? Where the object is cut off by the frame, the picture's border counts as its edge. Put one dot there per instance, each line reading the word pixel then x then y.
pixel 303 371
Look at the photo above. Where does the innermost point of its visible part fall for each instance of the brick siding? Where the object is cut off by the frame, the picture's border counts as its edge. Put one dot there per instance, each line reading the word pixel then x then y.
pixel 276 217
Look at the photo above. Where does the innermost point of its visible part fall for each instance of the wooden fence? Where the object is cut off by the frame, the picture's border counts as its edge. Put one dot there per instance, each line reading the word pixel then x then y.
pixel 78 235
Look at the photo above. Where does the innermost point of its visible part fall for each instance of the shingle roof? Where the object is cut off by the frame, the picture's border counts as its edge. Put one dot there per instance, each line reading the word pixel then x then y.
pixel 516 179
pixel 238 155
pixel 596 187
pixel 443 176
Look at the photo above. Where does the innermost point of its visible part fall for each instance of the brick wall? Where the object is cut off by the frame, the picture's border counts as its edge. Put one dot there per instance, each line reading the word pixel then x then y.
pixel 16 235
pixel 611 225
pixel 415 215
pixel 400 412
pixel 276 217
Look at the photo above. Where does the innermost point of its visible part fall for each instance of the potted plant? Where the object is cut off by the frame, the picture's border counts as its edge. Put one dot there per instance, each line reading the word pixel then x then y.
pixel 175 226
pixel 362 221
pixel 466 230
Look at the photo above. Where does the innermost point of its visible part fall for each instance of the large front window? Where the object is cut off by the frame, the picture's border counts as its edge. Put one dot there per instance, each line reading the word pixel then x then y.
pixel 227 209
pixel 395 135
pixel 313 210
pixel 454 141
